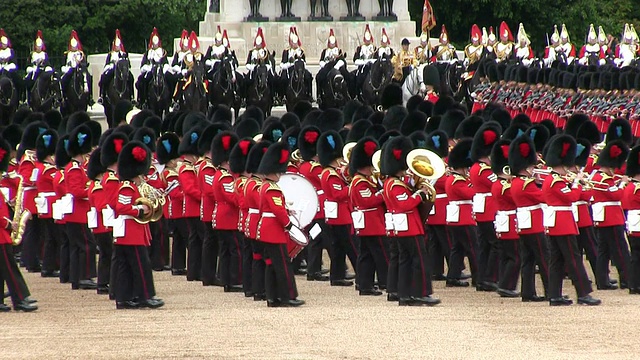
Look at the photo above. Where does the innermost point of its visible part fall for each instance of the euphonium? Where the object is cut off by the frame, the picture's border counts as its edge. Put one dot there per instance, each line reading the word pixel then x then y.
pixel 154 199
pixel 20 216
pixel 425 167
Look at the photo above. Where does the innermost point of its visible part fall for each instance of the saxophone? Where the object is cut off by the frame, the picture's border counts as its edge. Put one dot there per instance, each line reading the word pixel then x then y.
pixel 20 216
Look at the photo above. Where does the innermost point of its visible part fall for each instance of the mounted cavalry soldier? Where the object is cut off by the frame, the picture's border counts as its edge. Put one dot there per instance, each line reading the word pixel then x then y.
pixel 177 64
pixel 385 48
pixel 289 58
pixel 364 57
pixel 553 51
pixel 444 52
pixel 76 60
pixel 8 61
pixel 423 51
pixel 566 47
pixel 403 62
pixel 523 51
pixel 474 50
pixel 505 48
pixel 189 60
pixel 155 55
pixel 216 52
pixel 592 50
pixel 332 57
pixel 259 55
pixel 627 51
pixel 116 54
pixel 39 61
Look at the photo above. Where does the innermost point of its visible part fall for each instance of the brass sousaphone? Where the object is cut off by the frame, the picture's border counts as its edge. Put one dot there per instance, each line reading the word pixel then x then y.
pixel 425 167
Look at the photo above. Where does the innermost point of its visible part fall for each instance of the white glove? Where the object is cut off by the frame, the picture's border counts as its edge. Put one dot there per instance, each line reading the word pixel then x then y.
pixel 250 67
pixel 184 72
pixel 583 61
pixel 48 69
pixel 10 66
pixel 339 65
pixel 423 87
pixel 285 66
pixel 371 61
pixel 360 62
pixel 145 68
pixel 65 69
pixel 269 67
pixel 208 63
pixel 175 69
pixel 31 69
pixel 322 63
pixel 166 68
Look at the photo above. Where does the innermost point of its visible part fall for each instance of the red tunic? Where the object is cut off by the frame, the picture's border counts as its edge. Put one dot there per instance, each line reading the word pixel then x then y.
pixel 274 217
pixel 243 209
pixel 482 179
pixel 135 234
pixel 110 184
pixel 528 198
pixel 225 210
pixel 402 202
pixel 366 200
pixel 506 209
pixel 192 194
pixel 98 201
pixel 9 184
pixel 60 189
pixel 206 173
pixel 173 205
pixel 5 223
pixel 583 210
pixel 76 181
pixel 607 206
pixel 252 203
pixel 312 171
pixel 46 194
pixel 438 214
pixel 559 197
pixel 460 193
pixel 336 190
pixel 28 170
pixel 632 196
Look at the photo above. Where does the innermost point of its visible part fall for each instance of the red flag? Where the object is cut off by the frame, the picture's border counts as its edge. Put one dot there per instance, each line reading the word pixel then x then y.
pixel 428 18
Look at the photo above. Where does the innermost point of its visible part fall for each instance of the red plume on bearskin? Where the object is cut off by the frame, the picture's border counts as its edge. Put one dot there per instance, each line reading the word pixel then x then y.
pixel 565 149
pixel 244 146
pixel 139 153
pixel 284 156
pixel 524 149
pixel 370 148
pixel 489 137
pixel 505 150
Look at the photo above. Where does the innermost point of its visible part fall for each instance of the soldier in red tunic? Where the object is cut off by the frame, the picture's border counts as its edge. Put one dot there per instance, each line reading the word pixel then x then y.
pixel 82 244
pixel 484 209
pixel 528 199
pixel 632 196
pixel 226 213
pixel 505 222
pixel 188 177
pixel 167 154
pixel 608 216
pixel 460 221
pixel 368 207
pixel 336 206
pixel 60 188
pixel 561 227
pixel 273 230
pixel 134 287
pixel 252 204
pixel 587 234
pixel 237 165
pixel 45 150
pixel 402 202
pixel 9 271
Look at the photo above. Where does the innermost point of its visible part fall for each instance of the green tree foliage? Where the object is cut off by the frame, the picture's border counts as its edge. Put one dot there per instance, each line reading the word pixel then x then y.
pixel 538 17
pixel 96 22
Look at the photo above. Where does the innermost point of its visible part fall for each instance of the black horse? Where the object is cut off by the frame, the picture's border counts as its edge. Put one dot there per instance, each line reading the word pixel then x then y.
pixel 194 91
pixel 335 91
pixel 465 89
pixel 223 87
pixel 378 77
pixel 119 88
pixel 45 93
pixel 297 89
pixel 8 99
pixel 75 96
pixel 259 92
pixel 158 91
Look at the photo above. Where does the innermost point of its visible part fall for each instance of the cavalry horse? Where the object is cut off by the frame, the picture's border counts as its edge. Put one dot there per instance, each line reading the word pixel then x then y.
pixel 158 91
pixel 259 92
pixel 194 90
pixel 376 80
pixel 297 88
pixel 8 99
pixel 224 85
pixel 335 90
pixel 119 88
pixel 412 85
pixel 46 93
pixel 75 94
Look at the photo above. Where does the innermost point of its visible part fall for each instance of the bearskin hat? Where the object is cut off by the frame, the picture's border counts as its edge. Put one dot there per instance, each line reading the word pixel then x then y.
pixel 329 147
pixel 393 117
pixel 419 139
pixel 255 156
pixel 111 148
pixel 376 117
pixel 121 110
pixel 96 131
pixel 62 157
pixel 460 154
pixel 275 160
pixel 273 131
pixel 589 131
pixel 302 108
pixel 46 144
pixel 574 122
pixel 134 160
pixel 221 147
pixel 583 149
pixel 154 123
pixel 484 139
pixel 414 121
pixel 561 151
pixel 307 142
pixel 539 134
pixel 468 127
pixel 5 155
pixel 394 155
pixel 548 123
pixel 222 115
pixel 433 124
pixel 189 142
pixel 357 131
pixel 13 135
pixel 290 120
pixel 633 162
pixel 146 136
pixel 522 154
pixel 137 121
pixel 413 102
pixel 613 155
pixel 94 166
pixel 514 131
pixel 391 95
pixel 247 128
pixel 207 135
pixel 239 154
pixel 500 156
pixel 363 112
pixel 522 118
pixel 53 118
pixel 331 119
pixel 350 109
pixel 438 142
pixel 620 129
pixel 450 122
pixel 375 131
pixel 167 148
pixel 290 136
pixel 192 119
pixel 21 115
pixel 79 141
pixel 76 119
pixel 361 154
pixel 125 129
pixel 502 117
pixel 31 133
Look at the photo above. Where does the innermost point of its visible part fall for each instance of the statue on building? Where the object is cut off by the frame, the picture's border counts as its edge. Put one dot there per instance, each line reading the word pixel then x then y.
pixel 324 11
pixel 386 11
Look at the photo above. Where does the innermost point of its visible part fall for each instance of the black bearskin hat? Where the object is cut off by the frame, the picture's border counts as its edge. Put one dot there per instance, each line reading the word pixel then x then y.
pixel 302 108
pixel 414 121
pixel 620 129
pixel 204 143
pixel 450 122
pixel 460 155
pixel 134 160
pixel 468 127
pixel 221 147
pixel 394 155
pixel 613 155
pixel 514 131
pixel 358 129
pixel 121 110
pixel 393 117
pixel 46 144
pixel 255 156
pixel 561 151
pixel 31 133
pixel 111 148
pixel 574 122
pixel 192 119
pixel 375 131
pixel 361 154
pixel 307 142
pixel 500 156
pixel 331 119
pixel 329 147
pixel 522 154
pixel 419 139
pixel 247 128
pixel 438 142
pixel 13 135
pixel 154 123
pixel 633 162
pixel 146 136
pixel 539 134
pixel 62 158
pixel 273 131
pixel 275 160
pixel 583 149
pixel 290 120
pixel 53 118
pixel 484 139
pixel 96 131
pixel 239 154
pixel 189 142
pixel 79 141
pixel 167 148
pixel 589 131
pixel 290 136
pixel 522 118
pixel 76 119
pixel 391 95
pixel 94 166
pixel 501 116
pixel 5 155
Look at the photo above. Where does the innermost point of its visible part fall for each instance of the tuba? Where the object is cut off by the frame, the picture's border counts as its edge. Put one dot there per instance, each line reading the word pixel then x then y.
pixel 376 175
pixel 425 167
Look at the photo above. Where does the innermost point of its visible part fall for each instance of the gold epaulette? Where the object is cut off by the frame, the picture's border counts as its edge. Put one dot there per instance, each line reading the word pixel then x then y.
pixel 96 185
pixel 556 178
pixel 457 178
pixel 127 184
pixel 527 182
pixel 506 185
pixel 483 167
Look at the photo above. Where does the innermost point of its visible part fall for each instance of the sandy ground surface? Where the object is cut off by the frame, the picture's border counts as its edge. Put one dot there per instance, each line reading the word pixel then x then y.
pixel 336 323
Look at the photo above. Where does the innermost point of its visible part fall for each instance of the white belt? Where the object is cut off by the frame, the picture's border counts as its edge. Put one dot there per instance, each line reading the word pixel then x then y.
pixel 366 210
pixel 560 208
pixel 484 194
pixel 26 188
pixel 46 194
pixel 268 215
pixel 530 208
pixel 441 196
pixel 461 202
pixel 581 202
pixel 253 211
pixel 507 212
pixel 126 217
pixel 608 203
pixel 320 192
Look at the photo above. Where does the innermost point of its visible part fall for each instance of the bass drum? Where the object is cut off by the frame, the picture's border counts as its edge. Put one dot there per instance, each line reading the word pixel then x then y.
pixel 301 198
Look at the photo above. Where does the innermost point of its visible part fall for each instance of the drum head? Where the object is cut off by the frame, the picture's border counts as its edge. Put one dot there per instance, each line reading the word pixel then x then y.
pixel 300 197
pixel 298 236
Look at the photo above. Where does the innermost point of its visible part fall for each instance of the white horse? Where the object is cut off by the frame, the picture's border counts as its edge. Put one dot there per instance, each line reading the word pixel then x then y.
pixel 413 84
